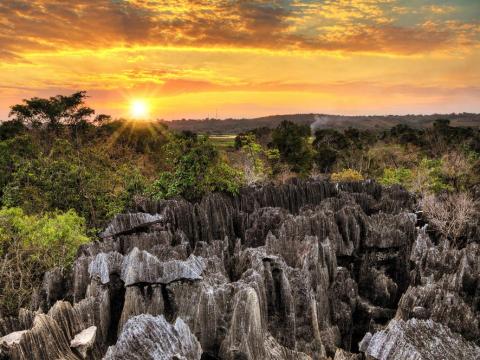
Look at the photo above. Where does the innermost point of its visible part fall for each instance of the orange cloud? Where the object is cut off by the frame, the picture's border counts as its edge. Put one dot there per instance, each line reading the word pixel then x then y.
pixel 189 56
pixel 50 25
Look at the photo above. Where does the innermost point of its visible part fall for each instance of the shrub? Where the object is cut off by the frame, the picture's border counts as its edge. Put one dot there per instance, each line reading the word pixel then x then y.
pixel 450 214
pixel 347 175
pixel 31 245
pixel 388 155
pixel 456 167
pixel 392 176
pixel 427 177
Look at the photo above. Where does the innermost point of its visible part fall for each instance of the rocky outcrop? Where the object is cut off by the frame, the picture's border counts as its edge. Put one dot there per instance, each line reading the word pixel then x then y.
pixel 419 340
pixel 306 270
pixel 125 223
pixel 148 337
pixel 445 286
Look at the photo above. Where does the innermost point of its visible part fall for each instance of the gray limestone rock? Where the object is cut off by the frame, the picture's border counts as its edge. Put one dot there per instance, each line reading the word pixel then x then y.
pixel 153 337
pixel 124 223
pixel 303 270
pixel 419 340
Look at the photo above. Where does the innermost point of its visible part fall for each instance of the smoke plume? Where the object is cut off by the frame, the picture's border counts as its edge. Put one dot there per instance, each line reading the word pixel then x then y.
pixel 320 122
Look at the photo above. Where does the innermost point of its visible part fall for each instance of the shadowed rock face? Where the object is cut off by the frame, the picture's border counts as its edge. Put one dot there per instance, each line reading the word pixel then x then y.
pixel 305 270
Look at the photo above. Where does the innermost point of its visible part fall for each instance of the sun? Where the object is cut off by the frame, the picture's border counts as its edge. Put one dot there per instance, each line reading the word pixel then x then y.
pixel 139 109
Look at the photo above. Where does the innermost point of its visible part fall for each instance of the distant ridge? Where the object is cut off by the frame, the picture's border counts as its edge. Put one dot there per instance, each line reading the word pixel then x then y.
pixel 235 126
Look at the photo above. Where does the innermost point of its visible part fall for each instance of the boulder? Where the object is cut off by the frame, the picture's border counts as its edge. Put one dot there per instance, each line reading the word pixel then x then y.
pixel 153 337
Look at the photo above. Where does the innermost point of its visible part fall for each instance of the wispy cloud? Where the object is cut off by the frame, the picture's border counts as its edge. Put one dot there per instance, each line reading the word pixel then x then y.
pixel 340 25
pixel 297 54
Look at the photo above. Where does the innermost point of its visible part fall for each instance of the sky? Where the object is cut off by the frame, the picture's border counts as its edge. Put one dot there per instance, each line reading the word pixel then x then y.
pixel 222 58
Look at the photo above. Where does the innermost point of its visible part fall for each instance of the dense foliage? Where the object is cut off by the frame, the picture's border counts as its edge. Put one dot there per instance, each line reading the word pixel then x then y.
pixel 195 168
pixel 292 141
pixel 31 245
pixel 435 159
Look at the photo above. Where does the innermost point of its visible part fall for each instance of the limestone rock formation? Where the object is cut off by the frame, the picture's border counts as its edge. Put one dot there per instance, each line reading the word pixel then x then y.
pixel 304 270
pixel 419 340
pixel 148 337
pixel 83 341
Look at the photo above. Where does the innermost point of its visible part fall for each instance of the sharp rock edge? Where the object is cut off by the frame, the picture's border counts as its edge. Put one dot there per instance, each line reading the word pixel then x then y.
pixel 305 270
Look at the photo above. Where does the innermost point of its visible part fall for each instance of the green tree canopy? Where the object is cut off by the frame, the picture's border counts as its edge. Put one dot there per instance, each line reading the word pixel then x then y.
pixel 196 168
pixel 292 141
pixel 55 111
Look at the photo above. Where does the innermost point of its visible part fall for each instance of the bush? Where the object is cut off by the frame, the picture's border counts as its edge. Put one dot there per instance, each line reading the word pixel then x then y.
pixel 427 177
pixel 346 175
pixel 392 176
pixel 31 245
pixel 450 214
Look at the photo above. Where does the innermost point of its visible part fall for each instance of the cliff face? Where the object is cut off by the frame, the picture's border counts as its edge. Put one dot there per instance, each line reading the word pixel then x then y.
pixel 308 270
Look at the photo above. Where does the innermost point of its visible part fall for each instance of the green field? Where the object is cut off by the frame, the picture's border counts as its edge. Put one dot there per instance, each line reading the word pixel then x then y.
pixel 223 142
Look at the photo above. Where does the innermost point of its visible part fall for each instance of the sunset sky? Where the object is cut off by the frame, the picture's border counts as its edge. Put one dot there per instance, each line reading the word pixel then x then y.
pixel 193 59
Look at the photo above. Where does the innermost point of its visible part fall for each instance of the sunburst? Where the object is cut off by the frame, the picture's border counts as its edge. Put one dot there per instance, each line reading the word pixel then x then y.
pixel 139 109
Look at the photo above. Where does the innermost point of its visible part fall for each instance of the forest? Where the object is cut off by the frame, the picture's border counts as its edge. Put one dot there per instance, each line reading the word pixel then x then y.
pixel 66 171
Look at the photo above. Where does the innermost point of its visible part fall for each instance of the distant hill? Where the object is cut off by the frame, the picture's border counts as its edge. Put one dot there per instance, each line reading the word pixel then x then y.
pixel 235 126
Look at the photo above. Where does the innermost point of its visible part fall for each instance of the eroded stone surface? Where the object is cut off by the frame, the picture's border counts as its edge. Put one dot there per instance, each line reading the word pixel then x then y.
pixel 12 338
pixel 305 270
pixel 419 340
pixel 84 340
pixel 148 337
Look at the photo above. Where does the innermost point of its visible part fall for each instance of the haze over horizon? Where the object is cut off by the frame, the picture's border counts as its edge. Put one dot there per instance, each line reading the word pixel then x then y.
pixel 229 59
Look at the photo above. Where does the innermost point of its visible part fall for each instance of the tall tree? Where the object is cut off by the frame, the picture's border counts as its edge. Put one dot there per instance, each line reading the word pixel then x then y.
pixel 54 112
pixel 292 142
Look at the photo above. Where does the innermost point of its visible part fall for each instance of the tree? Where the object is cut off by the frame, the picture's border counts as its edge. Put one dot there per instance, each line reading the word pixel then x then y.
pixel 196 168
pixel 55 111
pixel 292 141
pixel 10 129
pixel 325 157
pixel 332 138
pixel 13 153
pixel 253 165
pixel 332 145
pixel 258 162
pixel 441 124
pixel 87 179
pixel 262 135
pixel 405 134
